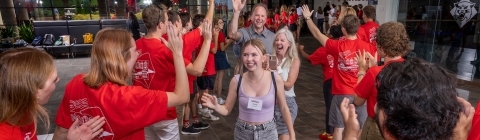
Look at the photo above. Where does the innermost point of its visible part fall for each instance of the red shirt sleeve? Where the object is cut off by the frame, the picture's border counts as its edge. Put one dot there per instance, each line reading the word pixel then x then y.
pixel 474 135
pixel 332 46
pixel 365 87
pixel 221 37
pixel 319 56
pixel 192 40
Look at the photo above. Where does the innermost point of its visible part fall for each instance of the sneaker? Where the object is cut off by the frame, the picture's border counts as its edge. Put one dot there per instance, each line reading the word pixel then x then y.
pixel 221 101
pixel 200 126
pixel 209 116
pixel 200 112
pixel 190 130
pixel 325 136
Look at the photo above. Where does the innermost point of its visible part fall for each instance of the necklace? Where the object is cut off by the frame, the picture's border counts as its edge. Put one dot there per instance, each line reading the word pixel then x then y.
pixel 250 82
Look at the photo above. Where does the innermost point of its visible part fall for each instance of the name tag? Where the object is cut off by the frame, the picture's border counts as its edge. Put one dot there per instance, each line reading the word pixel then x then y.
pixel 255 104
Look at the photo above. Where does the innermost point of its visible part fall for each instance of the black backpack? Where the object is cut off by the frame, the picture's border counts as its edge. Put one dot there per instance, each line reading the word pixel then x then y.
pixel 48 39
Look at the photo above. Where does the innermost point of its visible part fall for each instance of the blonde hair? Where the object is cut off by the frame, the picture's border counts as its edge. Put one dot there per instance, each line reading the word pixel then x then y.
pixel 347 11
pixel 23 72
pixel 292 52
pixel 110 53
pixel 241 22
pixel 283 8
pixel 255 43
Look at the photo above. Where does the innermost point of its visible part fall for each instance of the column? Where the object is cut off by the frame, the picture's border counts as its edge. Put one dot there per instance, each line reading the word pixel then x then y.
pixel 8 12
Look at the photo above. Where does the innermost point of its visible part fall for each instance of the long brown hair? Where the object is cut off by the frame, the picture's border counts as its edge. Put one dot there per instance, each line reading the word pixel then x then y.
pixel 110 53
pixel 23 71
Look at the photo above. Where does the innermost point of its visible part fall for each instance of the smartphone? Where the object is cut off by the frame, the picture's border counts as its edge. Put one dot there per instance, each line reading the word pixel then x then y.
pixel 272 62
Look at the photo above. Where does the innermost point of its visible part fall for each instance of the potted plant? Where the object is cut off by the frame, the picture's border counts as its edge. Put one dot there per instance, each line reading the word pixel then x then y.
pixel 7 36
pixel 26 32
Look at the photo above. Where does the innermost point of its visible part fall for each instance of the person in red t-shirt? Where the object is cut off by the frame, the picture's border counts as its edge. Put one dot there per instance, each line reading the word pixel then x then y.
pixel 345 68
pixel 320 57
pixel 221 61
pixel 28 81
pixel 104 90
pixel 283 14
pixel 370 26
pixel 270 23
pixel 158 64
pixel 277 19
pixel 416 100
pixel 474 135
pixel 292 23
pixel 393 43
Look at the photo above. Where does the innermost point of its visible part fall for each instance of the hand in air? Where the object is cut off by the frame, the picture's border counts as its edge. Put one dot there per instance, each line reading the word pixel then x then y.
pixel 365 60
pixel 207 30
pixel 306 11
pixel 175 41
pixel 209 101
pixel 238 4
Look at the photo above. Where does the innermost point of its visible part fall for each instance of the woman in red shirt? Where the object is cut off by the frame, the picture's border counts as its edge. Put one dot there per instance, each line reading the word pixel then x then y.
pixel 28 81
pixel 277 19
pixel 104 90
pixel 270 24
pixel 283 14
pixel 292 23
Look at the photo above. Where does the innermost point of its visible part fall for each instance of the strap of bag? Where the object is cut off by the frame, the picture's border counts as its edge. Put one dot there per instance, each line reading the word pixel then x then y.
pixel 238 85
pixel 274 85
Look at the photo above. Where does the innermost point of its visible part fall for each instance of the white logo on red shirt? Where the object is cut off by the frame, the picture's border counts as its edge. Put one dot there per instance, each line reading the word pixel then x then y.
pixel 144 70
pixel 373 34
pixel 347 62
pixel 27 136
pixel 80 109
pixel 330 60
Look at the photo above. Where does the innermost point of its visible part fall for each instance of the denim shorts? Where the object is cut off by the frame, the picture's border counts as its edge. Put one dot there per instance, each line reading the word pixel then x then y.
pixel 245 131
pixel 293 107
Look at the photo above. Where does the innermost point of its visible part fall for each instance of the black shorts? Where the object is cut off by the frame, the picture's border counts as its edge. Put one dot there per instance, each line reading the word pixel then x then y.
pixel 195 90
pixel 292 27
pixel 206 82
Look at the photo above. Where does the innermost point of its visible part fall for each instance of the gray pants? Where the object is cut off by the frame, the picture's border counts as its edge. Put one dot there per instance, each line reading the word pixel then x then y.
pixel 336 118
pixel 245 131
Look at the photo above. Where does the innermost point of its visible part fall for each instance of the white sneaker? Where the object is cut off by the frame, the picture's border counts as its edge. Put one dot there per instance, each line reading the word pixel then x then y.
pixel 221 101
pixel 209 116
pixel 200 111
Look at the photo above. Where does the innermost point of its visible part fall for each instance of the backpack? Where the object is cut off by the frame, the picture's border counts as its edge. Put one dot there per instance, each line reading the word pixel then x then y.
pixel 273 80
pixel 48 39
pixel 37 40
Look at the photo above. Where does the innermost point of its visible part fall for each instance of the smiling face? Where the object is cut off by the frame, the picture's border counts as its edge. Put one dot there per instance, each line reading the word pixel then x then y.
pixel 282 44
pixel 259 16
pixel 253 57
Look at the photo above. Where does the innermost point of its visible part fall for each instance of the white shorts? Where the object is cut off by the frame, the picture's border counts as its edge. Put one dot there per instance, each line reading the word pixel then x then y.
pixel 163 130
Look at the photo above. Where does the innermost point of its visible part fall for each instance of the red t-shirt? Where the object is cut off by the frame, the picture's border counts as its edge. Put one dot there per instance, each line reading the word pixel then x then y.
pixel 284 17
pixel 154 68
pixel 366 88
pixel 370 29
pixel 192 40
pixel 221 39
pixel 269 22
pixel 210 65
pixel 360 34
pixel 10 132
pixel 345 67
pixel 277 19
pixel 292 18
pixel 474 132
pixel 320 57
pixel 127 109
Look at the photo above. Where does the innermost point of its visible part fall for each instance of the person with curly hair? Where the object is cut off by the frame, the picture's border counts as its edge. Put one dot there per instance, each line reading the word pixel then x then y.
pixel 392 43
pixel 416 100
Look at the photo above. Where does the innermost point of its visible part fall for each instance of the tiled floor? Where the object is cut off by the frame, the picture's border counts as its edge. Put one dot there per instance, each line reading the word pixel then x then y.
pixel 311 111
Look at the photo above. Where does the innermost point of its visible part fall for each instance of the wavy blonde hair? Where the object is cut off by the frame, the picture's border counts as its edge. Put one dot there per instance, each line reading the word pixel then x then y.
pixel 23 72
pixel 292 52
pixel 110 53
pixel 347 11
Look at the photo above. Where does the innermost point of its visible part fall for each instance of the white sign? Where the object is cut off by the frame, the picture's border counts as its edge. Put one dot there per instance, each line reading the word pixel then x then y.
pixel 463 11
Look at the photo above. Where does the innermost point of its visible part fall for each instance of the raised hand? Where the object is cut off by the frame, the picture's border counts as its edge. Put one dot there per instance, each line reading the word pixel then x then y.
pixel 216 31
pixel 300 47
pixel 175 41
pixel 238 4
pixel 86 131
pixel 464 123
pixel 209 101
pixel 365 60
pixel 207 30
pixel 306 11
pixel 352 127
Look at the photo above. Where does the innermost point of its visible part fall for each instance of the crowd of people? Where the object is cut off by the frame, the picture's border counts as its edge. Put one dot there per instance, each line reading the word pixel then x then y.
pixel 372 88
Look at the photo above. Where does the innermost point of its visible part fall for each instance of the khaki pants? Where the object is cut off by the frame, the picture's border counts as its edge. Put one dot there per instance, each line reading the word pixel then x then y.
pixel 370 130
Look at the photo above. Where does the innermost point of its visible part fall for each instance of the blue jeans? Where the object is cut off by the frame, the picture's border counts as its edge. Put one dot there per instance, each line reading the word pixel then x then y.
pixel 320 24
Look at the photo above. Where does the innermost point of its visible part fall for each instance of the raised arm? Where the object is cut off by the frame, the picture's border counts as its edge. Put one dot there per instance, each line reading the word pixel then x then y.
pixel 312 27
pixel 233 26
pixel 302 52
pixel 181 93
pixel 197 67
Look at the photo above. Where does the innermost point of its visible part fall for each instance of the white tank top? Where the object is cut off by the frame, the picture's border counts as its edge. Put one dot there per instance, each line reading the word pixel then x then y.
pixel 284 73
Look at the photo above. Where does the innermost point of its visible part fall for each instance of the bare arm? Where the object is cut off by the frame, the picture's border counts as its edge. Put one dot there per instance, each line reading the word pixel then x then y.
pixel 284 107
pixel 233 26
pixel 215 42
pixel 197 67
pixel 312 27
pixel 211 101
pixel 293 74
pixel 303 53
pixel 181 93
pixel 60 133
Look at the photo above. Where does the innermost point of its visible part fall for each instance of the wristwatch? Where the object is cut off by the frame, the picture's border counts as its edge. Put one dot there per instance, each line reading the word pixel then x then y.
pixel 360 73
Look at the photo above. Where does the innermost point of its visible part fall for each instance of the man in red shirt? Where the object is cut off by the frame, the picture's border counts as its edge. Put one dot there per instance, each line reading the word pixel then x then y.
pixel 392 43
pixel 370 26
pixel 345 68
pixel 321 57
pixel 154 69
pixel 475 135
